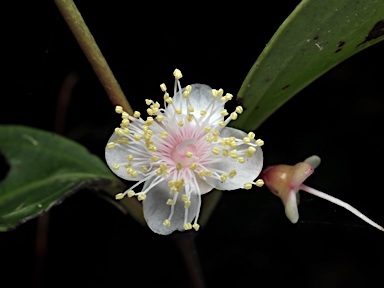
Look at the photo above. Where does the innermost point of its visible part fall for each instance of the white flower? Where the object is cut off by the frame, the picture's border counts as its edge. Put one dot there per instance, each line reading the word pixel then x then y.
pixel 181 152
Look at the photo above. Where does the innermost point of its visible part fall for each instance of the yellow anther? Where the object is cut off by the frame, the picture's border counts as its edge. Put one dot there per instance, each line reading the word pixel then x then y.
pixel 246 140
pixel 131 193
pixel 177 74
pixel 166 96
pixel 223 99
pixel 154 158
pixel 163 166
pixel 141 197
pixel 150 111
pixel 124 115
pixel 111 145
pixel 171 183
pixel 126 131
pixel 193 166
pixel 149 121
pixel 207 129
pixel 156 105
pixel 149 101
pixel 163 135
pixel 179 166
pixel 124 140
pixel 259 183
pixel 134 174
pixel 214 93
pixel 116 167
pixel 250 151
pixel 233 116
pixel 234 154
pixel 241 160
pixel 259 142
pixel 232 144
pixel 228 96
pixel 224 112
pixel 215 151
pixel 251 135
pixel 119 131
pixel 203 112
pixel 191 109
pixel 207 172
pixel 159 118
pixel 169 100
pixel 163 87
pixel 137 137
pixel 170 202
pixel 124 123
pixel 180 123
pixel 188 88
pixel 184 198
pixel 130 157
pixel 152 148
pixel 209 138
pixel 159 171
pixel 248 186
pixel 232 174
pixel 222 143
pixel 239 109
pixel 201 173
pixel 222 123
pixel 196 226
pixel 188 154
pixel 129 170
pixel 216 133
pixel 119 196
pixel 136 114
pixel 187 204
pixel 190 117
pixel 225 152
pixel 119 109
pixel 220 92
pixel 178 111
pixel 167 222
pixel 144 169
pixel 223 177
pixel 187 226
pixel 186 94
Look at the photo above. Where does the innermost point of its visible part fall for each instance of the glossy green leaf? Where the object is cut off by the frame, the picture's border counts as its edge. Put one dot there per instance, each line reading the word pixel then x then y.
pixel 317 36
pixel 40 169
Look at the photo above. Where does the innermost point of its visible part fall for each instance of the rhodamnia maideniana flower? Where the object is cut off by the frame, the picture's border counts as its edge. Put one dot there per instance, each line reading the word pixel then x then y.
pixel 181 152
pixel 285 181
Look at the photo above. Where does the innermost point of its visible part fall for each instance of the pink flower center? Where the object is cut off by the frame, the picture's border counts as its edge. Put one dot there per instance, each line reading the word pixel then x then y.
pixel 184 152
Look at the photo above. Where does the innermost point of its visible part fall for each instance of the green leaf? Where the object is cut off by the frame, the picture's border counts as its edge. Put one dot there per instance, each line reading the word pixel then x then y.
pixel 43 169
pixel 317 36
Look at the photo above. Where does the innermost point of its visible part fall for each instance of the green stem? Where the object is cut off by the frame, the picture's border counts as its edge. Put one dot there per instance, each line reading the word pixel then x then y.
pixel 88 44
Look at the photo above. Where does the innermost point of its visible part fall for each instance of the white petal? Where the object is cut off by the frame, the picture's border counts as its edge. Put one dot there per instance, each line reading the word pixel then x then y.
pixel 118 155
pixel 314 161
pixel 156 210
pixel 290 203
pixel 203 186
pixel 200 98
pixel 246 172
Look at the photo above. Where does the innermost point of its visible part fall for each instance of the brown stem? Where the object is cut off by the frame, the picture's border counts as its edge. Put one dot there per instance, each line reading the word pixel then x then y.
pixel 186 243
pixel 88 44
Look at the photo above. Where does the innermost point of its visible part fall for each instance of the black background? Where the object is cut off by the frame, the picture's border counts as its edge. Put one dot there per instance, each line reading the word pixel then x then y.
pixel 248 240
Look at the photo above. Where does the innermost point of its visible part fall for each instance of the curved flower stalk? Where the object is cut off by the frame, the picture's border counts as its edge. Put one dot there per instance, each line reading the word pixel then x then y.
pixel 181 152
pixel 285 181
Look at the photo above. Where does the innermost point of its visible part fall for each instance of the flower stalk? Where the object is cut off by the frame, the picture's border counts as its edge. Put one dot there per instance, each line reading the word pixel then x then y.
pixel 91 50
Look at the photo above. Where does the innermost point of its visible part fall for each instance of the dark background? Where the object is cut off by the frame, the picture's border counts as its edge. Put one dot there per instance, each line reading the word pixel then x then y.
pixel 248 240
